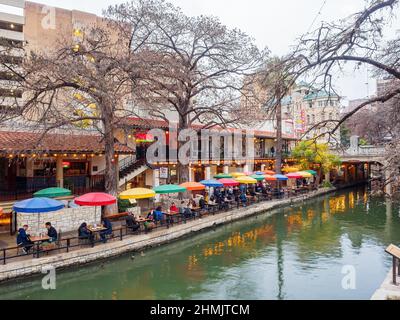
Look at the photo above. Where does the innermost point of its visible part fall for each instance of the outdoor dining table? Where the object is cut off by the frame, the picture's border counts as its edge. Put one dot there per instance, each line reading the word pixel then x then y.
pixel 171 215
pixel 39 239
pixel 213 207
pixel 95 230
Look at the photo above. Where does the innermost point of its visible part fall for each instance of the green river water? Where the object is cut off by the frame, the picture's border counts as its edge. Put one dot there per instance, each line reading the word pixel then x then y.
pixel 297 253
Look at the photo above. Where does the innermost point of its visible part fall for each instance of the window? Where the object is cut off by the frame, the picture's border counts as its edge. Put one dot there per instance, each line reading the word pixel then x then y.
pixel 313 118
pixel 11 59
pixel 11 26
pixel 331 116
pixel 10 76
pixel 323 116
pixel 11 43
pixel 308 119
pixel 10 93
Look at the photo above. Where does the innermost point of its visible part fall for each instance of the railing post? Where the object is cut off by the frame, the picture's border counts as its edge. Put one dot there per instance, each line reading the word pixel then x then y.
pixel 394 271
pixel 37 250
pixel 120 234
pixel 68 244
pixel 4 256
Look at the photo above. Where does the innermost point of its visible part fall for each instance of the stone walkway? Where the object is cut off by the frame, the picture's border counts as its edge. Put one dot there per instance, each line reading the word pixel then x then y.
pixel 23 267
pixel 388 291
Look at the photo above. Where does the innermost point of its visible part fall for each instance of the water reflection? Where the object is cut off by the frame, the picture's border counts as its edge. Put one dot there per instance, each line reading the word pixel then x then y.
pixel 296 253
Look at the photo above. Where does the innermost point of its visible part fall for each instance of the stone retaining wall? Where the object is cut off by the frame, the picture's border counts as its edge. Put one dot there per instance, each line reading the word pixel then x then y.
pixel 65 220
pixel 140 242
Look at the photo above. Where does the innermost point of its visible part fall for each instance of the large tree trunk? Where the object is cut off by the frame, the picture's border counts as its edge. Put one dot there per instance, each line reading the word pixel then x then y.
pixel 183 169
pixel 111 174
pixel 279 140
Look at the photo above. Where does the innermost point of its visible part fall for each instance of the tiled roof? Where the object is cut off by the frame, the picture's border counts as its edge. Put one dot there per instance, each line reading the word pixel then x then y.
pixel 320 95
pixel 152 123
pixel 13 142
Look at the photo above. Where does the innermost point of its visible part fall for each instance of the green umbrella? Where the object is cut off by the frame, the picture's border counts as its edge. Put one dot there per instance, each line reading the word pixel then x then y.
pixel 258 177
pixel 223 176
pixel 52 193
pixel 314 173
pixel 169 188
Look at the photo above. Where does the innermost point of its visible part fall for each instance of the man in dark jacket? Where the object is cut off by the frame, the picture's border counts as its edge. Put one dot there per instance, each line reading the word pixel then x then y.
pixel 131 223
pixel 51 232
pixel 23 239
pixel 108 226
pixel 84 233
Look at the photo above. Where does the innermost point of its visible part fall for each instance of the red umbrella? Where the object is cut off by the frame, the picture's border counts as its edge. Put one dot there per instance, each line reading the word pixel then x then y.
pixel 294 176
pixel 96 199
pixel 229 182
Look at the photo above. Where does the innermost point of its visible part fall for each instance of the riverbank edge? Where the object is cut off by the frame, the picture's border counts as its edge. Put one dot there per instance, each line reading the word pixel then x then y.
pixel 387 290
pixel 32 267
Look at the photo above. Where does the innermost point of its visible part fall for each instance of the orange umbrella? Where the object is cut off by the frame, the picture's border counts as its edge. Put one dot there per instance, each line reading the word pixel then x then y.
pixel 270 172
pixel 1 211
pixel 193 186
pixel 270 178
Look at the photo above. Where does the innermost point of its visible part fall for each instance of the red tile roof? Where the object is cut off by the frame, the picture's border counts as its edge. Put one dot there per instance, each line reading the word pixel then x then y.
pixel 19 142
pixel 153 123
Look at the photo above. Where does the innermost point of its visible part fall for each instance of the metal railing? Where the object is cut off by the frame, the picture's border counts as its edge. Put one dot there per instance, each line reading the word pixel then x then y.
pixel 123 231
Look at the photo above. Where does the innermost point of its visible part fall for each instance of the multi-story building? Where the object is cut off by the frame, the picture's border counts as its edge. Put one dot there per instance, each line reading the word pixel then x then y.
pixel 311 111
pixel 75 160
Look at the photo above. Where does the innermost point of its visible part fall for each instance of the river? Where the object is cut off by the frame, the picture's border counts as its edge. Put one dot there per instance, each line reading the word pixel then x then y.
pixel 300 252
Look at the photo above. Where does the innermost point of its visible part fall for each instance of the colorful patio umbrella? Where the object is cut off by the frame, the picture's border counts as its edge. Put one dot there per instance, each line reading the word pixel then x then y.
pixel 246 180
pixel 169 188
pixel 38 205
pixel 314 173
pixel 281 177
pixel 248 173
pixel 212 183
pixel 137 193
pixel 258 177
pixel 229 182
pixel 305 174
pixel 290 169
pixel 260 173
pixel 223 176
pixel 270 178
pixel 269 172
pixel 95 199
pixel 294 176
pixel 193 186
pixel 52 193
pixel 237 174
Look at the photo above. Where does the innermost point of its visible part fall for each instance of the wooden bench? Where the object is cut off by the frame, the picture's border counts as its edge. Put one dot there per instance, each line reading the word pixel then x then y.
pixel 394 251
pixel 118 216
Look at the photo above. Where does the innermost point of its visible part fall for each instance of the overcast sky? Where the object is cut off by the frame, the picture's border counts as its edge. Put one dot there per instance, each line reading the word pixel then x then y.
pixel 275 24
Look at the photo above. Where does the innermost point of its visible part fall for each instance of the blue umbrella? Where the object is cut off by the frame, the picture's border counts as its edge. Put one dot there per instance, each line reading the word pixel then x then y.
pixel 38 205
pixel 212 183
pixel 260 173
pixel 281 177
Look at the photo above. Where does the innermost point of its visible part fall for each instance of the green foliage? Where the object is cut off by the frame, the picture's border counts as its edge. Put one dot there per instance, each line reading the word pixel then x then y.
pixel 345 136
pixel 308 153
pixel 363 142
pixel 327 184
pixel 124 205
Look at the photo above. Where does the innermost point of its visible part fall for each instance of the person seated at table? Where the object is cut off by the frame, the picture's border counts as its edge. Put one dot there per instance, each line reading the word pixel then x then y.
pixel 192 203
pixel 131 223
pixel 243 199
pixel 212 201
pixel 202 203
pixel 150 215
pixel 51 232
pixel 108 226
pixel 23 239
pixel 158 215
pixel 84 232
pixel 173 208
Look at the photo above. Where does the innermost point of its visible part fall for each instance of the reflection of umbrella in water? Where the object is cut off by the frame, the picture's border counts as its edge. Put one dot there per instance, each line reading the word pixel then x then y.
pixel 38 205
pixel 96 199
pixel 52 193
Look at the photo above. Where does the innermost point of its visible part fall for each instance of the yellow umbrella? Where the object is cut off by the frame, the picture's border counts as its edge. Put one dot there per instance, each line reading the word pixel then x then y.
pixel 290 169
pixel 137 193
pixel 246 180
pixel 305 174
pixel 237 174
